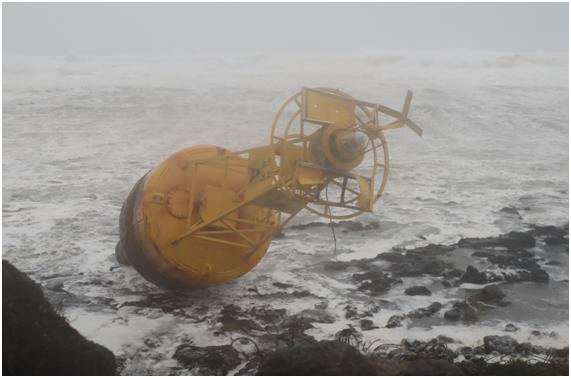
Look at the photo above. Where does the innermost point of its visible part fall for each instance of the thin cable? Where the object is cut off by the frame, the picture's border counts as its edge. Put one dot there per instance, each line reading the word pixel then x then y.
pixel 331 220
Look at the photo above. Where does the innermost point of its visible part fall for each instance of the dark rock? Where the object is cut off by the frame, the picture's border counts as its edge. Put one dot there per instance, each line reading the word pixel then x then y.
pixel 539 275
pixel 416 262
pixel 452 315
pixel 38 341
pixel 446 283
pixel 430 367
pixel 417 350
pixel 358 226
pixel 425 311
pixel 322 358
pixel 489 294
pixel 336 266
pixel 472 275
pixel 232 319
pixel 528 348
pixel 468 313
pixel 395 321
pixel 453 273
pixel 418 290
pixel 367 325
pixel 511 328
pixel 554 263
pixel 351 312
pixel 510 210
pixel 512 240
pixel 210 360
pixel 502 344
pixel 393 257
pixel 317 316
pixel 374 282
pixel 280 285
pixel 445 339
pixel 556 240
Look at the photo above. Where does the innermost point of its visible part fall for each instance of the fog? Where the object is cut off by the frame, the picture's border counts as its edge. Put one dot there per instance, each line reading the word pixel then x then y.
pixel 183 27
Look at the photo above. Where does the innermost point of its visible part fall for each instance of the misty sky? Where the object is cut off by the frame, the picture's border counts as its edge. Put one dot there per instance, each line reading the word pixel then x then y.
pixel 184 27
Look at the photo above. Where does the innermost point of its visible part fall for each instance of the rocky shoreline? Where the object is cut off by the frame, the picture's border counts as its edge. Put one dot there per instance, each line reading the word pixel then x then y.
pixel 267 340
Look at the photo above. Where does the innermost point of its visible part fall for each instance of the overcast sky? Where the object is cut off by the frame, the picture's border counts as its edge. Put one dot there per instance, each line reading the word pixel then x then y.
pixel 156 27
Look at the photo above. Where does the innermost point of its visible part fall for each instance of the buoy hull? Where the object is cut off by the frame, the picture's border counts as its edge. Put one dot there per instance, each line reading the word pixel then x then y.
pixel 171 199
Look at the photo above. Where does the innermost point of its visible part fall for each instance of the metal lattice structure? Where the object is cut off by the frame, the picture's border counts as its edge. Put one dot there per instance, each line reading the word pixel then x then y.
pixel 207 215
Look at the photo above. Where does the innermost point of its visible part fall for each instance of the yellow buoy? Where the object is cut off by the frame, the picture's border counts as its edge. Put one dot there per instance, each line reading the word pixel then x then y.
pixel 206 215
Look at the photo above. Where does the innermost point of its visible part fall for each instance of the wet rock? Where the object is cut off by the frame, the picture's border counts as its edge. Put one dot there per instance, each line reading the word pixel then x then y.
pixel 317 316
pixel 472 275
pixel 350 312
pixel 537 333
pixel 393 257
pixel 210 360
pixel 527 349
pixel 446 283
pixel 510 210
pixel 358 226
pixel 367 325
pixel 453 273
pixel 374 282
pixel 38 341
pixel 512 240
pixel 418 290
pixel 490 294
pixel 556 240
pixel 511 328
pixel 416 350
pixel 395 321
pixel 233 319
pixel 425 311
pixel 539 275
pixel 322 305
pixel 468 312
pixel 416 265
pixel 553 263
pixel 445 339
pixel 552 235
pixel 322 358
pixel 281 285
pixel 502 344
pixel 336 266
pixel 452 315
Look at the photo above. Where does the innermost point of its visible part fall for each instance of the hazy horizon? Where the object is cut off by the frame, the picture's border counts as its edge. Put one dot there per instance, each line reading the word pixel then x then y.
pixel 107 28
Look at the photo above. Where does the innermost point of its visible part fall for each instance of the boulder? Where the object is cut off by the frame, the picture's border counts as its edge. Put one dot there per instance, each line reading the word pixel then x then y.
pixel 490 294
pixel 395 321
pixel 36 340
pixel 418 290
pixel 452 315
pixel 367 325
pixel 424 312
pixel 473 275
pixel 316 315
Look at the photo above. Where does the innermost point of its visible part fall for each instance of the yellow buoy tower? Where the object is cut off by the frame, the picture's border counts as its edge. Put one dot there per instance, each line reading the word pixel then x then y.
pixel 206 214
